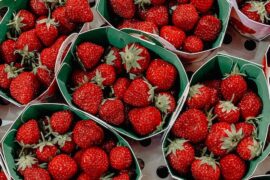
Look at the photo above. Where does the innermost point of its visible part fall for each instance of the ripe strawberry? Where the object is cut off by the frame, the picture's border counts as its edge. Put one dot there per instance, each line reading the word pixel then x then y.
pixel 223 138
pixel 193 44
pixel 7 50
pixel 232 167
pixel 38 7
pixel 61 121
pixel 84 176
pixel 45 76
pixel 249 148
pixel 183 1
pixel 3 175
pixel 120 86
pixel 214 98
pixel 145 120
pixel 247 128
pixel 146 26
pixel 36 173
pixel 135 58
pixel 29 39
pixel 62 167
pixel 203 6
pixel 22 21
pixel 24 87
pixel 105 75
pixel 173 35
pixel 108 145
pixel 165 102
pixel 78 156
pixel 58 43
pixel 208 28
pixel 46 153
pixel 7 73
pixel 227 112
pixel 88 97
pixel 180 155
pixel 113 58
pixel 94 162
pixel 25 162
pixel 267 8
pixel 65 26
pixel 158 15
pixel 89 54
pixel 48 57
pixel 28 133
pixel 214 84
pixel 68 146
pixel 139 93
pixel 205 168
pixel 250 105
pixel 161 74
pixel 125 9
pixel 87 133
pixel 120 158
pixel 122 176
pixel 79 11
pixel 112 111
pixel 251 11
pixel 199 96
pixel 185 17
pixel 79 77
pixel 191 125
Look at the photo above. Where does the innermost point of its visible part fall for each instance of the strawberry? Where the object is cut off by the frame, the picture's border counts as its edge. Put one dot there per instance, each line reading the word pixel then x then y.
pixel 173 35
pixel 251 11
pixel 161 74
pixel 36 173
pixel 203 6
pixel 199 96
pixel 59 41
pixel 48 57
pixel 250 105
pixel 249 148
pixel 146 26
pixel 84 176
pixel 65 26
pixel 61 121
pixel 45 76
pixel 158 15
pixel 62 167
pixel 183 1
pixel 94 162
pixel 139 93
pixel 247 128
pixel 223 138
pixel 113 58
pixel 68 146
pixel 87 133
pixel 7 73
pixel 79 77
pixel 108 145
pixel 28 133
pixel 120 158
pixel 112 111
pixel 227 112
pixel 122 176
pixel 22 21
pixel 120 86
pixel 89 54
pixel 88 97
pixel 185 17
pixel 191 125
pixel 193 44
pixel 29 39
pixel 157 2
pixel 24 87
pixel 135 58
pixel 165 102
pixel 39 7
pixel 267 8
pixel 205 168
pixel 25 162
pixel 125 9
pixel 214 98
pixel 3 176
pixel 145 120
pixel 79 11
pixel 208 28
pixel 105 75
pixel 46 153
pixel 214 84
pixel 180 155
pixel 7 50
pixel 78 156
pixel 232 167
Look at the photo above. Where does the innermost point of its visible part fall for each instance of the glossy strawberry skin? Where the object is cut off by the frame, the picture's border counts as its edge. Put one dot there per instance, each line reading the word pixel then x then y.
pixel 251 15
pixel 47 153
pixel 117 61
pixel 4 80
pixel 45 76
pixel 7 49
pixel 61 121
pixel 78 77
pixel 36 173
pixel 48 57
pixel 123 8
pixel 28 19
pixel 59 41
pixel 201 99
pixel 202 171
pixel 120 158
pixel 231 116
pixel 38 7
pixel 79 11
pixel 193 44
pixel 203 5
pixel 247 128
pixel 108 73
pixel 28 133
pixel 68 147
pixel 243 148
pixel 30 39
pixel 120 86
pixel 158 15
pixel 173 35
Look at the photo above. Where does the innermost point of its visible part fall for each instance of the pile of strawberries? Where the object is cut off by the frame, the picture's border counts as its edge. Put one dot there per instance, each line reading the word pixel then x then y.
pixel 61 146
pixel 225 138
pixel 130 88
pixel 34 38
pixel 189 25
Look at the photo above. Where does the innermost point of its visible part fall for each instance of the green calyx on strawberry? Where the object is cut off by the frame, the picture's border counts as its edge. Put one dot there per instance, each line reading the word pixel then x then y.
pixel 175 145
pixel 227 106
pixel 162 102
pixel 259 8
pixel 42 143
pixel 194 90
pixel 209 160
pixel 48 22
pixel 60 140
pixel 233 138
pixel 142 3
pixel 98 79
pixel 255 149
pixel 210 117
pixel 151 91
pixel 12 71
pixel 235 71
pixel 110 58
pixel 16 23
pixel 28 57
pixel 25 161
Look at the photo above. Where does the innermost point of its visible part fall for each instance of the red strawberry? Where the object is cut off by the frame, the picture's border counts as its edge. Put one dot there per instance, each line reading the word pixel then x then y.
pixel 24 87
pixel 108 145
pixel 135 58
pixel 7 73
pixel 28 133
pixel 248 129
pixel 29 39
pixel 173 35
pixel 23 21
pixel 185 17
pixel 125 9
pixel 232 167
pixel 87 133
pixel 227 112
pixel 214 98
pixel 214 84
pixel 59 41
pixel 78 156
pixel 89 54
pixel 39 7
pixel 183 1
pixel 203 6
pixel 65 26
pixel 79 77
pixel 120 158
pixel 191 125
pixel 84 176
pixel 3 175
pixel 48 57
pixel 122 176
pixel 45 76
pixel 46 153
pixel 79 11
pixel 94 162
pixel 68 146
pixel 205 168
pixel 208 28
pixel 158 15
pixel 251 11
pixel 25 162
pixel 165 102
pixel 113 58
pixel 36 173
pixel 139 93
pixel 145 120
pixel 61 121
pixel 62 167
pixel 112 112
pixel 161 74
pixel 180 155
pixel 250 105
pixel 105 75
pixel 146 26
pixel 88 97
pixel 267 8
pixel 199 96
pixel 193 44
pixel 120 86
pixel 249 148
pixel 7 50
